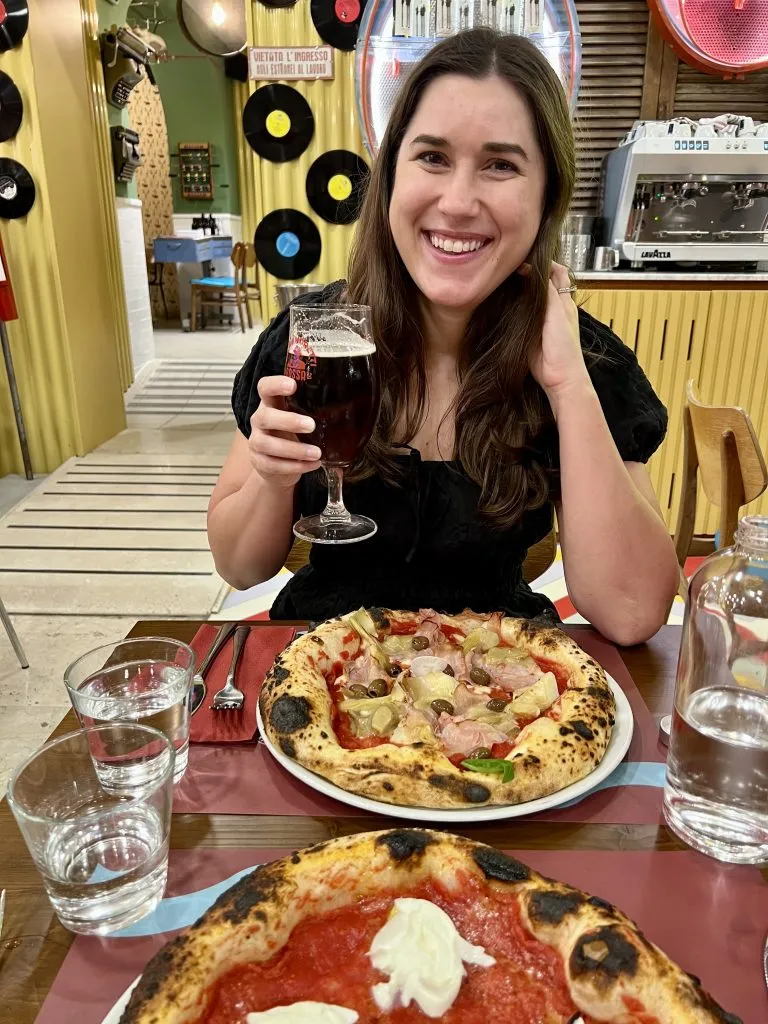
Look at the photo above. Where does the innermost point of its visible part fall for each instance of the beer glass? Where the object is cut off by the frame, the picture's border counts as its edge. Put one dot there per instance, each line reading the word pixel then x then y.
pixel 331 358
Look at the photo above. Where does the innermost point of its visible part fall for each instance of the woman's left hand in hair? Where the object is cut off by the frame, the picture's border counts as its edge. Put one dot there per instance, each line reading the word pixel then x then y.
pixel 558 365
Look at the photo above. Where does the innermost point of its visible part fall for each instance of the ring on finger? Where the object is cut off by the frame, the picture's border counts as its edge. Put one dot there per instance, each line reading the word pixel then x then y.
pixel 567 291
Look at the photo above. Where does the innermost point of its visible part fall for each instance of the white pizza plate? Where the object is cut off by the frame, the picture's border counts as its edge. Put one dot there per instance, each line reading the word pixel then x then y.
pixel 114 1015
pixel 618 745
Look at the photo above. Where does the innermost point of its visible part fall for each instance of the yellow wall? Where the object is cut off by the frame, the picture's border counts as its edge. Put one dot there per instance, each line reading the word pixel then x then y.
pixel 70 343
pixel 267 186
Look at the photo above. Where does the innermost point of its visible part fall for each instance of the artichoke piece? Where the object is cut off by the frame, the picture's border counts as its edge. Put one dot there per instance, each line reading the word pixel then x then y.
pixel 541 695
pixel 398 646
pixel 372 715
pixel 481 639
pixel 364 626
pixel 433 686
pixel 510 656
pixel 384 720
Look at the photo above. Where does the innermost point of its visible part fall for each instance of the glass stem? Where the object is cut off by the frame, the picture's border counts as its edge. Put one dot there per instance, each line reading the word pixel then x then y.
pixel 334 511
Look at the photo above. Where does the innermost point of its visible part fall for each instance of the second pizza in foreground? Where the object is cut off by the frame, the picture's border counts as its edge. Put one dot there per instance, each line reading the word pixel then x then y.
pixel 409 926
pixel 429 710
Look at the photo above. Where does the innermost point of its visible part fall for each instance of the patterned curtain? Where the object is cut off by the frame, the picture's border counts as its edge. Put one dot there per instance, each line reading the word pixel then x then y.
pixel 147 117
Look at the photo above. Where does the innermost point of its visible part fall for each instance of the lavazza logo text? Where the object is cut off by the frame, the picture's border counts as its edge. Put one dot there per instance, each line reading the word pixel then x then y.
pixel 655 254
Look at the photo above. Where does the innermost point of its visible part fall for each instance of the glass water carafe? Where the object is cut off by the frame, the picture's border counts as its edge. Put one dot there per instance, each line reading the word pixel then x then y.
pixel 716 793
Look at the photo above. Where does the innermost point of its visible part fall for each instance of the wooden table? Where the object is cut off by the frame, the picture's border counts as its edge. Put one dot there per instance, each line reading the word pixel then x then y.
pixel 34 944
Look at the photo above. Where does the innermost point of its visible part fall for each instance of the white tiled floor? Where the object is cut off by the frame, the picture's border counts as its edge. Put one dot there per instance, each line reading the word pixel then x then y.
pixel 33 701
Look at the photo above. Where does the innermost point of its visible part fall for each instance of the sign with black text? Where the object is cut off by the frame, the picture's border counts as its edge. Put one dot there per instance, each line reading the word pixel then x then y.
pixel 290 63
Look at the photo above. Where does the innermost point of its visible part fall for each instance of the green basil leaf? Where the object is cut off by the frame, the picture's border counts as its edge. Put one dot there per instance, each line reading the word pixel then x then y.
pixel 491 766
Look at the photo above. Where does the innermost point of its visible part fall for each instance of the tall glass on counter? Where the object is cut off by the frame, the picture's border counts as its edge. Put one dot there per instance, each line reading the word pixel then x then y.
pixel 716 793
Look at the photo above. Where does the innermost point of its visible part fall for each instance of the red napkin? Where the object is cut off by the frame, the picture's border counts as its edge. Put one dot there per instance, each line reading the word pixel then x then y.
pixel 261 648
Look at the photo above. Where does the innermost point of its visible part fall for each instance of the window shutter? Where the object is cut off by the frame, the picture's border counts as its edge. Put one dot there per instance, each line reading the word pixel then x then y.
pixel 613 38
pixel 700 95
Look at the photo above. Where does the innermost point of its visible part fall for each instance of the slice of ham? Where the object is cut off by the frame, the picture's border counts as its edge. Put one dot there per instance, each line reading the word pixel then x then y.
pixel 362 670
pixel 464 737
pixel 465 698
pixel 429 626
pixel 509 676
pixel 453 656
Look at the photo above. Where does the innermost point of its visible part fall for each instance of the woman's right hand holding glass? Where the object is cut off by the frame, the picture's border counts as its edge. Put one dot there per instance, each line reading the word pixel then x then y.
pixel 276 452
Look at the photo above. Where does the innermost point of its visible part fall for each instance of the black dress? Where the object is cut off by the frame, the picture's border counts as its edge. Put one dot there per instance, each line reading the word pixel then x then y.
pixel 432 550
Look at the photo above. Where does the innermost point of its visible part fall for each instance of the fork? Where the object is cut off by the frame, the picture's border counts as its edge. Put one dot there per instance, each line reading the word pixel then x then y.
pixel 197 692
pixel 2 910
pixel 229 698
pixel 765 961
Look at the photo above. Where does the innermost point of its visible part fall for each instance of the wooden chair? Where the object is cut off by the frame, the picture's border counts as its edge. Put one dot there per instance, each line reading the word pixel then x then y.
pixel 250 262
pixel 220 291
pixel 538 560
pixel 155 273
pixel 722 449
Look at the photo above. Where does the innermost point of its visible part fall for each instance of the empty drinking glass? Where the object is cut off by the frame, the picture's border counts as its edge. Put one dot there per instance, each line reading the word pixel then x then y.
pixel 102 853
pixel 147 680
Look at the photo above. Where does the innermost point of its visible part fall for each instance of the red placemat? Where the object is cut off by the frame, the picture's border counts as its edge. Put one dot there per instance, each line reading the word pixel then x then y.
pixel 261 648
pixel 238 779
pixel 709 917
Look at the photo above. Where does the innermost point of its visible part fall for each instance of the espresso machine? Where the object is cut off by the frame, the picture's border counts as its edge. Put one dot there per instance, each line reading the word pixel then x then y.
pixel 688 193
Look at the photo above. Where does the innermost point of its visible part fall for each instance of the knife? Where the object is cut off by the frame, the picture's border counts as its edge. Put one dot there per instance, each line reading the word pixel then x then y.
pixel 197 693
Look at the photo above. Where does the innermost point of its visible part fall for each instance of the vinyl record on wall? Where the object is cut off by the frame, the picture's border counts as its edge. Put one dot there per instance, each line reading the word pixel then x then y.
pixel 17 190
pixel 336 184
pixel 287 244
pixel 11 108
pixel 278 123
pixel 337 21
pixel 14 22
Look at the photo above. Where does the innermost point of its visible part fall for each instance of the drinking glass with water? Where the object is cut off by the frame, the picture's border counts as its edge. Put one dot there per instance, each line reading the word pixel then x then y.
pixel 102 852
pixel 716 793
pixel 146 680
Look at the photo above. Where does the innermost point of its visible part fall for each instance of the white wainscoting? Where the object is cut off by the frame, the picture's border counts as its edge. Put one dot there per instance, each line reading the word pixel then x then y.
pixel 132 255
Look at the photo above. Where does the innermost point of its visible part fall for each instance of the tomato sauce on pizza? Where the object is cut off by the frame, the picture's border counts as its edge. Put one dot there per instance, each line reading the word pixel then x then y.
pixel 325 960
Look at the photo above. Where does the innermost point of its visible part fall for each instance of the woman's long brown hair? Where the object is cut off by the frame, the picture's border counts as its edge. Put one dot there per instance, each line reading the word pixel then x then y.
pixel 500 410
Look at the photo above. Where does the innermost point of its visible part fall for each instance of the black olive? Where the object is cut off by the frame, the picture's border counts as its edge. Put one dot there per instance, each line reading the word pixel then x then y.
pixel 378 687
pixel 449 671
pixel 393 669
pixel 439 706
pixel 419 643
pixel 480 677
pixel 480 754
pixel 357 691
pixel 497 704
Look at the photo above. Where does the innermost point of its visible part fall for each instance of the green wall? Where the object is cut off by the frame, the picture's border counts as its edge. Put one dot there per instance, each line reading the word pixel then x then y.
pixel 197 100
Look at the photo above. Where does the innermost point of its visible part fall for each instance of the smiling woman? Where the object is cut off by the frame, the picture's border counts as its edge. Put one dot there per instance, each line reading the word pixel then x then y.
pixel 500 401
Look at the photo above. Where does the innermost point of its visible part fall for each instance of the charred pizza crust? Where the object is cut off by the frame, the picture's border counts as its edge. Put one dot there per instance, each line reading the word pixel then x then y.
pixel 607 961
pixel 550 753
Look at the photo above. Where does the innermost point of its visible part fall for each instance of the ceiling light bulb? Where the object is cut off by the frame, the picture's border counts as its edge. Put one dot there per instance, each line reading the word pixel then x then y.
pixel 218 14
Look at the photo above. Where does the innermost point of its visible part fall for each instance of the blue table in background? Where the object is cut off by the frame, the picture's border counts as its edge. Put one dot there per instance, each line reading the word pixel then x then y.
pixel 182 249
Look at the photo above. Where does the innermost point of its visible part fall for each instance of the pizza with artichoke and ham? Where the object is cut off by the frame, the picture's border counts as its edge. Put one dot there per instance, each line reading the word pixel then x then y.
pixel 429 710
pixel 407 927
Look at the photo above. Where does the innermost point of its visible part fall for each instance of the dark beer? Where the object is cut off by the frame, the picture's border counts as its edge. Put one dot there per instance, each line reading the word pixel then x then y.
pixel 335 385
